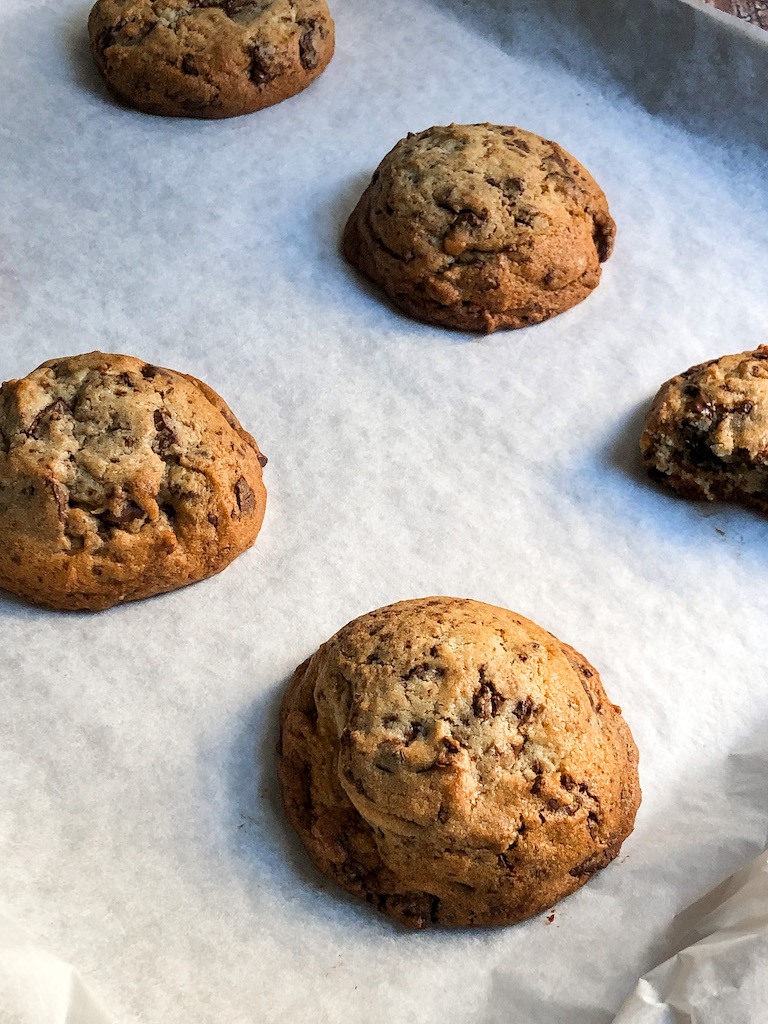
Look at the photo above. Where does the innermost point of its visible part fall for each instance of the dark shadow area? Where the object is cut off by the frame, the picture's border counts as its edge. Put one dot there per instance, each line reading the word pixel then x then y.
pixel 660 511
pixel 341 208
pixel 624 453
pixel 693 66
pixel 12 607
pixel 258 806
pixel 262 827
pixel 84 70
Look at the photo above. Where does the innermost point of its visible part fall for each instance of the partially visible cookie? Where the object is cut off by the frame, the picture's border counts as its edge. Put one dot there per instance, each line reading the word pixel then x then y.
pixel 120 480
pixel 452 763
pixel 209 58
pixel 480 227
pixel 706 434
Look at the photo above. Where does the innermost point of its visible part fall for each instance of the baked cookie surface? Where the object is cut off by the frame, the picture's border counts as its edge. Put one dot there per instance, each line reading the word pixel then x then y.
pixel 120 480
pixel 706 434
pixel 480 227
pixel 453 763
pixel 209 58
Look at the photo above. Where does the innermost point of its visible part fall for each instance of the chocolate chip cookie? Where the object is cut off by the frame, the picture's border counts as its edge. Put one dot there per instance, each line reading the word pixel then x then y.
pixel 119 480
pixel 479 227
pixel 453 763
pixel 706 434
pixel 209 58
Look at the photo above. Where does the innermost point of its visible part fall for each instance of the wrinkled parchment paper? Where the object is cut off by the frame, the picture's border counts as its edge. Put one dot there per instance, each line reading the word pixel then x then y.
pixel 722 974
pixel 38 988
pixel 141 837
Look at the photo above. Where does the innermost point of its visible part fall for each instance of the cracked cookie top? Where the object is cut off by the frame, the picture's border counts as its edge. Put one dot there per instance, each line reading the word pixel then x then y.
pixel 120 479
pixel 209 58
pixel 706 434
pixel 481 226
pixel 454 763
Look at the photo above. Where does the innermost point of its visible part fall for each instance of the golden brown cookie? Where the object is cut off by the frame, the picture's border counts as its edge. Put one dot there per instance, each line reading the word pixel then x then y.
pixel 480 226
pixel 119 480
pixel 453 763
pixel 706 434
pixel 209 58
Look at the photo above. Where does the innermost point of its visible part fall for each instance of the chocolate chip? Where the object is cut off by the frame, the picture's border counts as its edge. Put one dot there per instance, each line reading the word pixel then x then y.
pixel 523 709
pixel 470 219
pixel 263 460
pixel 189 65
pixel 524 215
pixel 451 747
pixel 127 512
pixel 559 159
pixel 61 497
pixel 700 404
pixel 567 782
pixel 743 408
pixel 421 671
pixel 261 70
pixel 307 53
pixel 43 419
pixel 246 501
pixel 506 862
pixel 487 701
pixel 165 436
pixel 520 144
pixel 149 372
pixel 591 696
pixel 213 519
pixel 511 187
pixel 414 731
pixel 553 804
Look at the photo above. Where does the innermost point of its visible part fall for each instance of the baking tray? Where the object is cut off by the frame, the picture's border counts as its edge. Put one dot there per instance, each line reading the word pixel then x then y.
pixel 141 836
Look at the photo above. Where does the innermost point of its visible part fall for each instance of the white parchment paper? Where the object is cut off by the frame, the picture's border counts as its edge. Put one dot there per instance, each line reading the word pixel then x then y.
pixel 141 836
pixel 38 988
pixel 721 974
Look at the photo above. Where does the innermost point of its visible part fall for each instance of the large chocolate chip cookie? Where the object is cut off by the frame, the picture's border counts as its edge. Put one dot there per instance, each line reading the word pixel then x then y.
pixel 452 763
pixel 706 434
pixel 480 227
pixel 119 480
pixel 209 58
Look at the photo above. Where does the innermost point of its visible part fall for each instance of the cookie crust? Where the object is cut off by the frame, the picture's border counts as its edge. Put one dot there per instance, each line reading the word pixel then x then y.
pixel 452 763
pixel 706 434
pixel 119 480
pixel 480 227
pixel 209 58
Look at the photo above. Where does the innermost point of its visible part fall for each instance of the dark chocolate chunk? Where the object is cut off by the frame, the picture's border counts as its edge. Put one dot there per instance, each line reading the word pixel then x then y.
pixel 165 436
pixel 126 512
pixel 307 51
pixel 246 500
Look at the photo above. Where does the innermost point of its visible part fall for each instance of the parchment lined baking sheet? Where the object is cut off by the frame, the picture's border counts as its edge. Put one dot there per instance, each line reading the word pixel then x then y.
pixel 141 837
